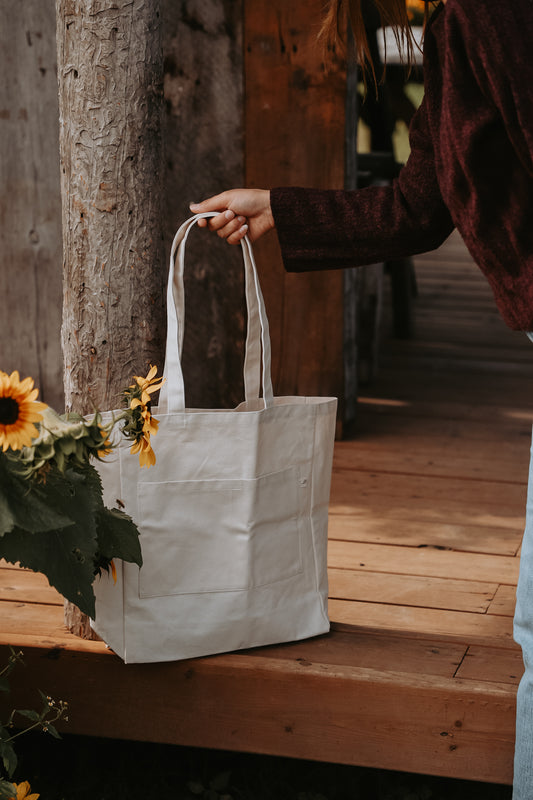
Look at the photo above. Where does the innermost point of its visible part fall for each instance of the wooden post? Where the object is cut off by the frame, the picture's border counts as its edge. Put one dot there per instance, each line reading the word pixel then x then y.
pixel 295 136
pixel 110 70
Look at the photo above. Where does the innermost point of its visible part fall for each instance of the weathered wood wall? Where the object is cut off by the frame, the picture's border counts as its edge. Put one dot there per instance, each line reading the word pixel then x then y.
pixel 30 208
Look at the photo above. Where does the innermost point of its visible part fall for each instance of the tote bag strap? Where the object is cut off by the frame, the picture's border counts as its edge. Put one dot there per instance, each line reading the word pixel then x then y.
pixel 172 396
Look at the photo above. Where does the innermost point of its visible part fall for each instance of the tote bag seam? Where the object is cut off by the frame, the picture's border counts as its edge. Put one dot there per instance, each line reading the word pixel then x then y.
pixel 122 571
pixel 313 531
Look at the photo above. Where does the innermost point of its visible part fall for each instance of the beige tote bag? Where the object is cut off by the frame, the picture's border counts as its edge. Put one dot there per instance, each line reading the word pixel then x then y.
pixel 233 516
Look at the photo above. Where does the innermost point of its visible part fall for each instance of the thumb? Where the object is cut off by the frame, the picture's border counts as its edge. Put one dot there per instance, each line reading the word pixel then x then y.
pixel 218 202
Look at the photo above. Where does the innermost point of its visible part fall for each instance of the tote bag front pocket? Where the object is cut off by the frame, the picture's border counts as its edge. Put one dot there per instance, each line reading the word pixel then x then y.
pixel 256 541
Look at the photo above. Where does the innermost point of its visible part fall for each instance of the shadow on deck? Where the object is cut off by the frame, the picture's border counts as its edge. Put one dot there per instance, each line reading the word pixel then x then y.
pixel 420 671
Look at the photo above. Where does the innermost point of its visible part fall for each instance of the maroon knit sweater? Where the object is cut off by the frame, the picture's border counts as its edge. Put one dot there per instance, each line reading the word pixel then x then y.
pixel 471 164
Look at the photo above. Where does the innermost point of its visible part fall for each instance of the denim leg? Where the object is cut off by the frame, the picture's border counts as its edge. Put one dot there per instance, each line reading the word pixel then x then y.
pixel 523 634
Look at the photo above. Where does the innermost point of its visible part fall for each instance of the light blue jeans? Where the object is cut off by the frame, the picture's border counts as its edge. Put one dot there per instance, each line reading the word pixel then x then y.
pixel 523 634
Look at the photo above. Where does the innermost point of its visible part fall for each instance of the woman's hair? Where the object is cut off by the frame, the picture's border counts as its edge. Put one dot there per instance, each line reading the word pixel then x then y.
pixel 355 13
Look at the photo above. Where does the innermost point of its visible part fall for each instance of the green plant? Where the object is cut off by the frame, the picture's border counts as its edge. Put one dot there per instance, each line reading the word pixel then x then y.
pixel 14 727
pixel 52 515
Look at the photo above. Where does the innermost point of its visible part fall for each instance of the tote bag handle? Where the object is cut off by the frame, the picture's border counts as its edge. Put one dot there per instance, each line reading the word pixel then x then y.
pixel 172 396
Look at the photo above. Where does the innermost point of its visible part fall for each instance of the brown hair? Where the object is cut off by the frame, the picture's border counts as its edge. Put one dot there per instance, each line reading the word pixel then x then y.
pixel 392 13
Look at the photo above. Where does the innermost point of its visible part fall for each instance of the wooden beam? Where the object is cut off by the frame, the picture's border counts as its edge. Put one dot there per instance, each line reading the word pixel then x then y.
pixel 294 123
pixel 288 705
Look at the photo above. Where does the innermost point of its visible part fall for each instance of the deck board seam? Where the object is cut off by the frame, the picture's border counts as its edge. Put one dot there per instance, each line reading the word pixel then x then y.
pixel 437 476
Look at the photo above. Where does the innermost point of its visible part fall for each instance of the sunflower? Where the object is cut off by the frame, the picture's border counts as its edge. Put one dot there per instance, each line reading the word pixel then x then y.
pixel 23 792
pixel 141 424
pixel 19 410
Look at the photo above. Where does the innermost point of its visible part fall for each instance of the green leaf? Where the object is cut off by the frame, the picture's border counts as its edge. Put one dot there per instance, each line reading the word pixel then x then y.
pixel 4 685
pixel 51 730
pixel 66 555
pixel 118 536
pixel 7 519
pixel 27 504
pixel 30 714
pixel 7 753
pixel 7 790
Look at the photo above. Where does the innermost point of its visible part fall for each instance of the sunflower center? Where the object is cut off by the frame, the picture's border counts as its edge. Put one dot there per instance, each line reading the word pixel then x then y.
pixel 9 411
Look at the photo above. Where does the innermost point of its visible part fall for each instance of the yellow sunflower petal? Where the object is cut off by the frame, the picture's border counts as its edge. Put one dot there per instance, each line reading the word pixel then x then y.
pixel 154 386
pixel 151 425
pixel 135 447
pixel 147 458
pixel 23 790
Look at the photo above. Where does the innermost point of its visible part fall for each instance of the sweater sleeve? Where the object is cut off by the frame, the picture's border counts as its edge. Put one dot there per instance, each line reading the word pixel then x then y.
pixel 331 229
pixel 497 43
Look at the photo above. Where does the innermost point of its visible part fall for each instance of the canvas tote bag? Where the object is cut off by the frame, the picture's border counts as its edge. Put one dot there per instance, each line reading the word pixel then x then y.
pixel 233 516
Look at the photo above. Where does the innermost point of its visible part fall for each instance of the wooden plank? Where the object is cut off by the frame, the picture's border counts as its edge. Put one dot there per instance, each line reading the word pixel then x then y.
pixel 30 619
pixel 454 419
pixel 446 500
pixel 389 529
pixel 402 381
pixel 426 361
pixel 422 561
pixel 409 590
pixel 373 649
pixel 454 626
pixel 416 460
pixel 485 358
pixel 26 586
pixel 496 498
pixel 433 428
pixel 359 716
pixel 40 626
pixel 491 663
pixel 504 601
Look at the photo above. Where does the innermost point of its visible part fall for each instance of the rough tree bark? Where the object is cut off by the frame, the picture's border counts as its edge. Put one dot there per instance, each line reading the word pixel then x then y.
pixel 110 70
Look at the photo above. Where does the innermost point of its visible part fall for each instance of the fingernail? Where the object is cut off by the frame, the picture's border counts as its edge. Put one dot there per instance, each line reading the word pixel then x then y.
pixel 229 214
pixel 193 205
pixel 241 219
pixel 243 229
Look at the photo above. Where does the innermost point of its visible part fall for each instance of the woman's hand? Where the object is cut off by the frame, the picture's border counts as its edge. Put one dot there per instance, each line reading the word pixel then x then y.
pixel 242 211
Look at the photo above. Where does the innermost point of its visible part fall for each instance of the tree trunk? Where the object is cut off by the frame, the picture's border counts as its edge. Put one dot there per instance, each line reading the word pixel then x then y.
pixel 110 70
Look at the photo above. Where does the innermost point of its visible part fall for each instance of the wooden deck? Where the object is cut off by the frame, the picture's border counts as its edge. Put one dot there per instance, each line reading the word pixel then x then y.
pixel 420 671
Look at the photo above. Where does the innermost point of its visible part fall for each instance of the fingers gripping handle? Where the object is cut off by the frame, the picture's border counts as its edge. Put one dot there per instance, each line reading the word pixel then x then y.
pixel 172 397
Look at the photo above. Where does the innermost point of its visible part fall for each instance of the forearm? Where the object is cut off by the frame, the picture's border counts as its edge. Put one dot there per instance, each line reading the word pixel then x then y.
pixel 324 229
